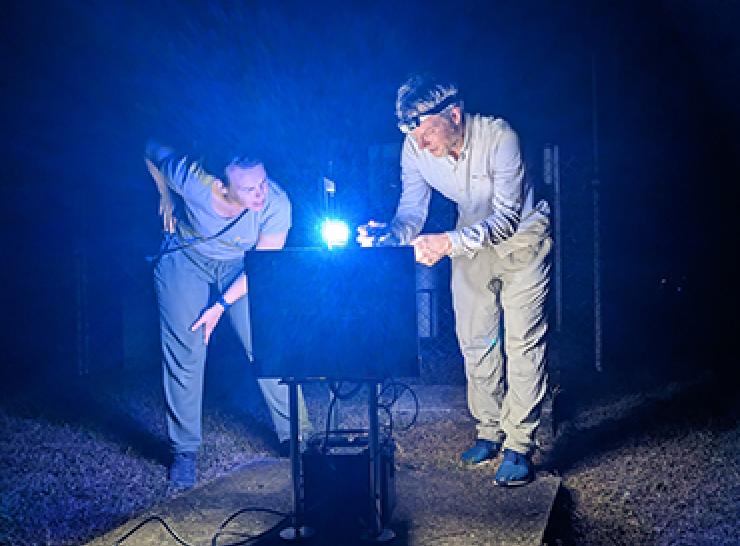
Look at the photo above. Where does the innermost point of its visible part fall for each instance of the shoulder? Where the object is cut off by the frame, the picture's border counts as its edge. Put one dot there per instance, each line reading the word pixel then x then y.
pixel 278 198
pixel 410 149
pixel 199 185
pixel 278 203
pixel 195 181
pixel 495 135
pixel 276 216
pixel 491 126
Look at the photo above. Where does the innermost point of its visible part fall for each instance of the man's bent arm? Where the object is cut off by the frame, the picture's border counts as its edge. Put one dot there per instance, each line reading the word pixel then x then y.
pixel 413 205
pixel 175 169
pixel 266 241
pixel 238 289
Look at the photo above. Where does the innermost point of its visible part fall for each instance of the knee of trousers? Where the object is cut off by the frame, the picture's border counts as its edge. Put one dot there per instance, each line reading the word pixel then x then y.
pixel 179 344
pixel 525 358
pixel 183 370
pixel 483 366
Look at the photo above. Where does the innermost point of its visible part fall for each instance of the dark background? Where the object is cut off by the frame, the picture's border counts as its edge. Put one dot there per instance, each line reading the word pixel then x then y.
pixel 649 89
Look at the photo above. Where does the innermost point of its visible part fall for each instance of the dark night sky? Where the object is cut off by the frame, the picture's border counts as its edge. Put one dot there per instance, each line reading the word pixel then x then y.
pixel 86 83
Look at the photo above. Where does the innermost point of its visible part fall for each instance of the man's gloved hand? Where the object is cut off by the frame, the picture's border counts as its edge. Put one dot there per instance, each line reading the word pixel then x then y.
pixel 376 234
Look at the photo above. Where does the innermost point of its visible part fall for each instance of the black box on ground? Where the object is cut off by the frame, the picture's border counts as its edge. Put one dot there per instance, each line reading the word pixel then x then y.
pixel 337 495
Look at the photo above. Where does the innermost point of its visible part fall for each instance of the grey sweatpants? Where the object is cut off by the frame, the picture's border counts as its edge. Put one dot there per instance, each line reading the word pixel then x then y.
pixel 499 300
pixel 183 282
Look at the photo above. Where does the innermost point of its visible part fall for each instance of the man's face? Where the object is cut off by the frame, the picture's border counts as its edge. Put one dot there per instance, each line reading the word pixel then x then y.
pixel 248 187
pixel 436 133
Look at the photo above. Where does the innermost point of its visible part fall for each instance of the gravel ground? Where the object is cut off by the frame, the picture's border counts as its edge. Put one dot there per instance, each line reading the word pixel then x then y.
pixel 660 467
pixel 653 467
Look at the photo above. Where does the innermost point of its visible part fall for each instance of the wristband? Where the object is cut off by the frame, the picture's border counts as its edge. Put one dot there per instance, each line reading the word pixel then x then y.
pixel 223 303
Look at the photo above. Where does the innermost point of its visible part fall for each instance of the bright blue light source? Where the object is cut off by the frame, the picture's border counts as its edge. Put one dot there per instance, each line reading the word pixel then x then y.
pixel 334 233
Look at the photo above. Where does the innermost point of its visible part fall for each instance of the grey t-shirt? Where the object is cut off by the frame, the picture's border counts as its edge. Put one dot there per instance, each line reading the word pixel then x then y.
pixel 198 219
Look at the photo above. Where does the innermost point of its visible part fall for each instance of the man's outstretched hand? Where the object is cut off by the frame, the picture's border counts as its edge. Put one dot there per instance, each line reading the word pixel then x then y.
pixel 367 234
pixel 428 249
pixel 376 234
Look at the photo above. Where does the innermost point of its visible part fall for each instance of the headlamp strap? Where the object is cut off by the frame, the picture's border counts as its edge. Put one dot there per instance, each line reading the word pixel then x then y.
pixel 414 120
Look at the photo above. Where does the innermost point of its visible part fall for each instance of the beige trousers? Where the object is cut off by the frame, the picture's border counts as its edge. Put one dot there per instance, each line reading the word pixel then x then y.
pixel 499 300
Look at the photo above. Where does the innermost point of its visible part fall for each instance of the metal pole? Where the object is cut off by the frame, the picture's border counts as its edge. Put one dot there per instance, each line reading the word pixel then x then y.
pixel 329 191
pixel 296 530
pixel 82 314
pixel 295 453
pixel 558 238
pixel 377 533
pixel 548 176
pixel 374 448
pixel 595 183
pixel 334 401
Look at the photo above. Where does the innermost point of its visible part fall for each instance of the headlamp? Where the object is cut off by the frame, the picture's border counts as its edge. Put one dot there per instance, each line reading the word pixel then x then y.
pixel 413 119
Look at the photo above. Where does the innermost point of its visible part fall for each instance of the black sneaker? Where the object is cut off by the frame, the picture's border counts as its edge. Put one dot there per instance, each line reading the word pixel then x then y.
pixel 182 471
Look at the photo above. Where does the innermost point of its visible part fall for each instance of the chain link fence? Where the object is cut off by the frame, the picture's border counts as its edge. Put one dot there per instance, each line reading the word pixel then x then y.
pixel 574 312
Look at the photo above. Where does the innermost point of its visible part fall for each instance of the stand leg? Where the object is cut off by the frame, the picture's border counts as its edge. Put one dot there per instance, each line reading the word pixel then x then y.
pixel 334 417
pixel 296 530
pixel 377 533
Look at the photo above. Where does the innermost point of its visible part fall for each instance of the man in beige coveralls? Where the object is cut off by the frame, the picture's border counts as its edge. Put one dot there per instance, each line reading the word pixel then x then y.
pixel 500 267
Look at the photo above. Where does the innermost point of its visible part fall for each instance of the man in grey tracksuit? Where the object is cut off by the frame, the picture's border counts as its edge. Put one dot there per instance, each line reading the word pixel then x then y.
pixel 219 221
pixel 500 267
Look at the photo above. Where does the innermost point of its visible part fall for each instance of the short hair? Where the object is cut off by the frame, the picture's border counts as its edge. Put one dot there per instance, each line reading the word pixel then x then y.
pixel 422 94
pixel 240 162
pixel 244 162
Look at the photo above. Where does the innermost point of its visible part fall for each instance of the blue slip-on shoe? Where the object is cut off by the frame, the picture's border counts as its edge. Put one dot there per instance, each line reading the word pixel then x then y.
pixel 515 470
pixel 481 451
pixel 182 471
